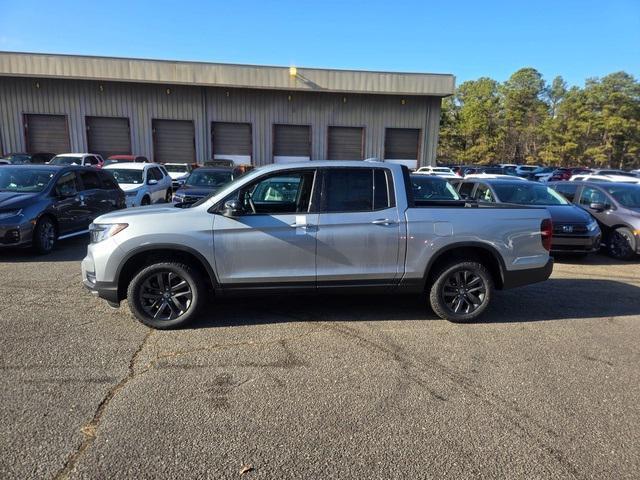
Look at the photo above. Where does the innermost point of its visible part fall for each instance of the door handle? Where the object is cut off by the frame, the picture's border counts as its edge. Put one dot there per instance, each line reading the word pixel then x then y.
pixel 383 221
pixel 301 225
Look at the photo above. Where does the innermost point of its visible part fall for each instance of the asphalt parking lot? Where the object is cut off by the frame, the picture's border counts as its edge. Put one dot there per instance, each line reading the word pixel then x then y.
pixel 546 386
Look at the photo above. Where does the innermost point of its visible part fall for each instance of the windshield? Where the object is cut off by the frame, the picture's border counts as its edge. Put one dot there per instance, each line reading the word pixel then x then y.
pixel 432 188
pixel 17 158
pixel 209 179
pixel 527 193
pixel 626 195
pixel 22 180
pixel 176 168
pixel 442 170
pixel 59 160
pixel 125 175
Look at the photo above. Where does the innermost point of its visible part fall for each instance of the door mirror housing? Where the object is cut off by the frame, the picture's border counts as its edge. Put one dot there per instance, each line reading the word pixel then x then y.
pixel 598 207
pixel 152 181
pixel 232 208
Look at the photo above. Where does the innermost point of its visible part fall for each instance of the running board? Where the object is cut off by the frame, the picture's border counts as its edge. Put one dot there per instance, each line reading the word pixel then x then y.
pixel 69 235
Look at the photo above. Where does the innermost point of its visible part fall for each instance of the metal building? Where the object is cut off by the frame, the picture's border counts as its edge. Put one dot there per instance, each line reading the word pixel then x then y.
pixel 191 112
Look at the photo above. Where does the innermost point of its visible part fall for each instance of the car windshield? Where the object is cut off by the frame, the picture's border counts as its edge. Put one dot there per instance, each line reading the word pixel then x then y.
pixel 209 179
pixel 528 193
pixel 23 180
pixel 626 195
pixel 432 188
pixel 17 158
pixel 66 160
pixel 125 175
pixel 176 168
pixel 441 169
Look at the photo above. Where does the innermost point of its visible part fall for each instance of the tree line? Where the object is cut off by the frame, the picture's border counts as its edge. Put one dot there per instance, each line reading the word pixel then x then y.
pixel 527 120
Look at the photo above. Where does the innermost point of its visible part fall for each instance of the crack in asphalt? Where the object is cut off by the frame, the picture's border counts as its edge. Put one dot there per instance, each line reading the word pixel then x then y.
pixel 89 430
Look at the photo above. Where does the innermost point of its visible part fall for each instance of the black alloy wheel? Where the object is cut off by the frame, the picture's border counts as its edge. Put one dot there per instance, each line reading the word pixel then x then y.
pixel 44 236
pixel 463 291
pixel 165 296
pixel 622 244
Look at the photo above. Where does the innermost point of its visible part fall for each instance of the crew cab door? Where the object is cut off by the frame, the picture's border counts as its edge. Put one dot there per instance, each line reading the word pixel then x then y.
pixel 69 206
pixel 358 228
pixel 272 240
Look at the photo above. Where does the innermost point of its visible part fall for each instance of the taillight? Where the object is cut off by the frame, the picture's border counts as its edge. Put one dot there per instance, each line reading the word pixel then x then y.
pixel 546 230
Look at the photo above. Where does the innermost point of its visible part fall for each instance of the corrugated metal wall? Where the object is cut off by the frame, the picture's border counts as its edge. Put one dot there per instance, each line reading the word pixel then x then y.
pixel 203 105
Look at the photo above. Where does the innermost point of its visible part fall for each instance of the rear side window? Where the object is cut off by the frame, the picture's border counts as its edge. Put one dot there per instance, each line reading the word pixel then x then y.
pixel 483 193
pixel 92 161
pixel 90 180
pixel 465 189
pixel 567 190
pixel 356 190
pixel 108 182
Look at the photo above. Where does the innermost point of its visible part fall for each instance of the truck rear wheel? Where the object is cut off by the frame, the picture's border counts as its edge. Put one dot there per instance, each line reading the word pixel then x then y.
pixel 461 291
pixel 166 295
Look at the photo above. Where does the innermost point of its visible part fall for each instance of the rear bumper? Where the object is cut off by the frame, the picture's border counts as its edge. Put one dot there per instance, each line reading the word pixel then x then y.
pixel 519 278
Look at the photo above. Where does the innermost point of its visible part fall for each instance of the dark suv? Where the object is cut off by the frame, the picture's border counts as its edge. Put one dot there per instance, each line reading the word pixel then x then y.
pixel 616 207
pixel 41 204
pixel 28 158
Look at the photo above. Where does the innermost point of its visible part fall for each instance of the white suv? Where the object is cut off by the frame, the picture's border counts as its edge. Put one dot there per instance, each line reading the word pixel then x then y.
pixel 82 159
pixel 143 183
pixel 445 172
pixel 179 172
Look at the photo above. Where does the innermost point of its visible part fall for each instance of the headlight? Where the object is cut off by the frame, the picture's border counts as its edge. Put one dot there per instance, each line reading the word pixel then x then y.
pixel 102 231
pixel 9 214
pixel 592 226
pixel 131 193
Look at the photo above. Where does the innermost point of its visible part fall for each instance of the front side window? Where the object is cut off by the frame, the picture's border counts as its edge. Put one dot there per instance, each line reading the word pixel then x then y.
pixel 591 195
pixel 626 195
pixel 67 185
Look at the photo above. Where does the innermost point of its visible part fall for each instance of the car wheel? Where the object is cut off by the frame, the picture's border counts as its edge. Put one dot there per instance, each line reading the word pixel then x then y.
pixel 166 295
pixel 461 291
pixel 145 201
pixel 621 244
pixel 44 236
pixel 168 196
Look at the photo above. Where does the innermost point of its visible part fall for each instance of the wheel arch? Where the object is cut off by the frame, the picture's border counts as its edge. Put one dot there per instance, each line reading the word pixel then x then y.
pixel 467 251
pixel 144 256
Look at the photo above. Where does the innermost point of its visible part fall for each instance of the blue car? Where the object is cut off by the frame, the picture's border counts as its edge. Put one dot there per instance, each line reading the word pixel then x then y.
pixel 202 182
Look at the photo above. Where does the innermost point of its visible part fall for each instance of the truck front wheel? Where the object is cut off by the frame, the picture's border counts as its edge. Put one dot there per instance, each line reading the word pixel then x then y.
pixel 166 295
pixel 461 291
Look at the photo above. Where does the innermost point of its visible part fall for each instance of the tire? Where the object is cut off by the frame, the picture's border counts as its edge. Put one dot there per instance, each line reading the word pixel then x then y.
pixel 45 236
pixel 621 244
pixel 168 196
pixel 145 201
pixel 146 290
pixel 466 286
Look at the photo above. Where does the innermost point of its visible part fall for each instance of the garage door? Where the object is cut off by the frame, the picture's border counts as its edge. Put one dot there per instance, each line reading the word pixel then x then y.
pixel 174 141
pixel 345 143
pixel 232 141
pixel 108 136
pixel 291 143
pixel 46 133
pixel 401 145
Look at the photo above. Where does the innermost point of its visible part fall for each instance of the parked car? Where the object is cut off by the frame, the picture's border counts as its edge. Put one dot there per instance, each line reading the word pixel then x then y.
pixel 126 159
pixel 604 178
pixel 202 182
pixel 4 162
pixel 28 158
pixel 440 171
pixel 82 159
pixel 178 172
pixel 574 230
pixel 41 204
pixel 334 226
pixel 143 183
pixel 540 174
pixel 433 188
pixel 486 170
pixel 611 171
pixel 494 176
pixel 525 170
pixel 562 174
pixel 616 207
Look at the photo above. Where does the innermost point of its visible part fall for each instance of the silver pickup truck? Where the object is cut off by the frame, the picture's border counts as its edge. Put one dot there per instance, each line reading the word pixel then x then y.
pixel 315 226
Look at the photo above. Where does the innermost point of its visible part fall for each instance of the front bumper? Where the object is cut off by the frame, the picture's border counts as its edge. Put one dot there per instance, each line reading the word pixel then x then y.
pixel 576 243
pixel 519 278
pixel 15 234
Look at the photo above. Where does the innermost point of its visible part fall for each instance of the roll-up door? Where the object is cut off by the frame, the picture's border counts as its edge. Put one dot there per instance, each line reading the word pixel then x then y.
pixel 46 133
pixel 108 136
pixel 345 143
pixel 402 145
pixel 174 141
pixel 291 143
pixel 232 141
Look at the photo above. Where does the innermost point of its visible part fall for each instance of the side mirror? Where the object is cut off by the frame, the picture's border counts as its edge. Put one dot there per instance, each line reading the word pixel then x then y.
pixel 232 208
pixel 152 181
pixel 598 207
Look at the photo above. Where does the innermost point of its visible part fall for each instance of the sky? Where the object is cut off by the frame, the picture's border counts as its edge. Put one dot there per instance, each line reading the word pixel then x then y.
pixel 470 39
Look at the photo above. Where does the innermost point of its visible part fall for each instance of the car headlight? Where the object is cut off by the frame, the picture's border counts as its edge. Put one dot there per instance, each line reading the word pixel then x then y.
pixel 9 214
pixel 131 193
pixel 592 226
pixel 101 231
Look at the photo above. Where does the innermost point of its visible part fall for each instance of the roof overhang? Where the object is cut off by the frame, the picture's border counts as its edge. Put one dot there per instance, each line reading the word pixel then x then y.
pixel 13 64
